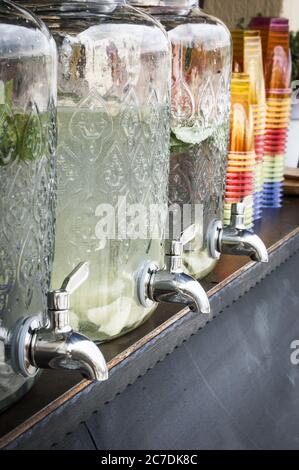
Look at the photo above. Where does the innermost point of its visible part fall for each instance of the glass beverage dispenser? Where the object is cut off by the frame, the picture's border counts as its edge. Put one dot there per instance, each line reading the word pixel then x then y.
pixel 113 162
pixel 27 212
pixel 201 78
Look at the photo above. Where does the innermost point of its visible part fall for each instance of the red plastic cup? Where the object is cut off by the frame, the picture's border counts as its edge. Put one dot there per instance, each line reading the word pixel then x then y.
pixel 240 187
pixel 244 176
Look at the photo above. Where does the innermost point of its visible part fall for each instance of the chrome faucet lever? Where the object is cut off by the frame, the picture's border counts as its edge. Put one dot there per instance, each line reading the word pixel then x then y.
pixel 55 345
pixel 59 300
pixel 236 239
pixel 77 277
pixel 171 284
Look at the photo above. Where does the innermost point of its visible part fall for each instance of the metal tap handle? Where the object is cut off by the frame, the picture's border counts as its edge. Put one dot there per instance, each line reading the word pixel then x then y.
pixel 238 216
pixel 77 277
pixel 59 299
pixel 175 247
pixel 238 208
pixel 188 235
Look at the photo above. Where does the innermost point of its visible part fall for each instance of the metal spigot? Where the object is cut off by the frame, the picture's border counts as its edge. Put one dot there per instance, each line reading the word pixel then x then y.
pixel 55 345
pixel 236 239
pixel 171 284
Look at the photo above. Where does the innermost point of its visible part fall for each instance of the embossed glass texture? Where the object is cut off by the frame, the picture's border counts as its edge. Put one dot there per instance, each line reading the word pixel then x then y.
pixel 201 76
pixel 27 177
pixel 165 3
pixel 113 148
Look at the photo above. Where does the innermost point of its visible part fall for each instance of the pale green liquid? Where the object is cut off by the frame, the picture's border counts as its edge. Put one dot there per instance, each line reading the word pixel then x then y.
pixel 99 159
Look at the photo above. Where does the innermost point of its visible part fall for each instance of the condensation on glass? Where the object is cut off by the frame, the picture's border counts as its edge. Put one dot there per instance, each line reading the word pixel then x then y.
pixel 27 177
pixel 113 150
pixel 201 76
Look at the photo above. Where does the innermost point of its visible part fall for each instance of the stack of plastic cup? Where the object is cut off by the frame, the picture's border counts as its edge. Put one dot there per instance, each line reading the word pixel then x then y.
pixel 277 67
pixel 238 49
pixel 247 46
pixel 241 157
pixel 278 117
pixel 253 66
pixel 276 50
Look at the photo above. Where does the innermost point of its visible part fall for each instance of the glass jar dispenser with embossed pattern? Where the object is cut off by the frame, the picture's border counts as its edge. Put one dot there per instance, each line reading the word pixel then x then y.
pixel 201 75
pixel 113 154
pixel 27 178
